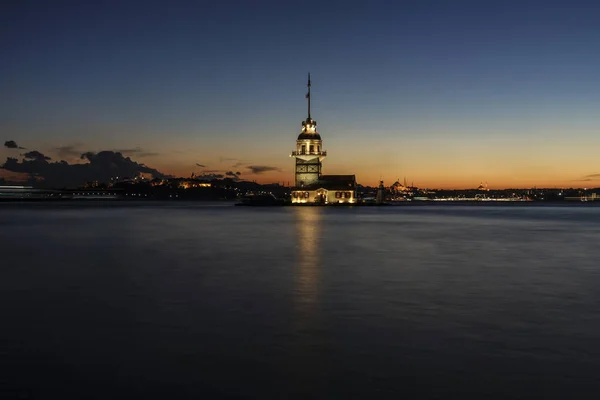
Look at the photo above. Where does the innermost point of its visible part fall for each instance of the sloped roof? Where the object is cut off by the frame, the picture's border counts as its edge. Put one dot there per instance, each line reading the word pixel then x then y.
pixel 337 182
pixel 337 178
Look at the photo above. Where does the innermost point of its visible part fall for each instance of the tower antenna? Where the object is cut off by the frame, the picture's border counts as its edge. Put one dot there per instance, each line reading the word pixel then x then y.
pixel 308 95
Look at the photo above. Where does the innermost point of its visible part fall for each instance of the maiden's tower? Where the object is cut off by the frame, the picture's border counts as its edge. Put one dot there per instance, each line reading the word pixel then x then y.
pixel 311 186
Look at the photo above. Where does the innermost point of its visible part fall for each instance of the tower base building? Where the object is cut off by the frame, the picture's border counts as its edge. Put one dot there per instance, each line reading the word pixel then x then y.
pixel 311 186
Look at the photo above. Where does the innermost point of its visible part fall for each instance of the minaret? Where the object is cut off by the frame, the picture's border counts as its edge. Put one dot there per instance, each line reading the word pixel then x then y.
pixel 309 151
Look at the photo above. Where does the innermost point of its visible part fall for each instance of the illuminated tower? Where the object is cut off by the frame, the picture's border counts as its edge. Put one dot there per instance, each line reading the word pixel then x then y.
pixel 309 151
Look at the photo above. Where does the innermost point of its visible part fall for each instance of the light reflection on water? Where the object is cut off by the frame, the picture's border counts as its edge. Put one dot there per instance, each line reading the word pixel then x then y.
pixel 307 221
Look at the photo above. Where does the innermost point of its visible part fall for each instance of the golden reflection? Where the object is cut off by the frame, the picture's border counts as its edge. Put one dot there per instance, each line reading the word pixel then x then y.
pixel 302 353
pixel 308 227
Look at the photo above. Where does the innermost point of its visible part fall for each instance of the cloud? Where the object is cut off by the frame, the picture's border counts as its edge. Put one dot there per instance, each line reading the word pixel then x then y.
pixel 259 169
pixel 128 152
pixel 100 166
pixel 75 151
pixel 231 174
pixel 36 155
pixel 11 144
pixel 201 165
pixel 136 152
pixel 221 159
pixel 87 155
pixel 239 164
pixel 591 177
pixel 70 151
pixel 12 177
pixel 211 176
pixel 588 178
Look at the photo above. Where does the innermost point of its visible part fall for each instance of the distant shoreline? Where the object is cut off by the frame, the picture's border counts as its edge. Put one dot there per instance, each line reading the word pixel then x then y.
pixel 169 202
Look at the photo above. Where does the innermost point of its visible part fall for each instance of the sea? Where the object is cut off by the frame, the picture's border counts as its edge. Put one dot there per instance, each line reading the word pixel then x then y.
pixel 173 300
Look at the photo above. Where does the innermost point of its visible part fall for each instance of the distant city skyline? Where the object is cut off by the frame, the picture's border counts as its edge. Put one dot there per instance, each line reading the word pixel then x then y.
pixel 446 94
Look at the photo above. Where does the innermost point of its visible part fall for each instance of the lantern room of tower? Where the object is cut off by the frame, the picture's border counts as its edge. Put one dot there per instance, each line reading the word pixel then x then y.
pixel 309 144
pixel 309 149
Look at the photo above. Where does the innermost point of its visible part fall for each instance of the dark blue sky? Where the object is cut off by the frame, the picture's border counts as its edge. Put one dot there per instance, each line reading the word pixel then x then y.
pixel 442 91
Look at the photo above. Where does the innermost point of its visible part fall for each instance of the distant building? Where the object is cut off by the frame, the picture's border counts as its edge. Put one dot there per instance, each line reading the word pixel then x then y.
pixel 311 186
pixel 399 188
pixel 380 193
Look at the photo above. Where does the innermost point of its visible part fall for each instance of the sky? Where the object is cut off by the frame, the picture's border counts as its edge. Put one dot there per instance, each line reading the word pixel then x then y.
pixel 448 94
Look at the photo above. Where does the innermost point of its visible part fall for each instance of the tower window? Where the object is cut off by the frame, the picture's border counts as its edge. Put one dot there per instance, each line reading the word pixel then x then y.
pixel 303 148
pixel 312 149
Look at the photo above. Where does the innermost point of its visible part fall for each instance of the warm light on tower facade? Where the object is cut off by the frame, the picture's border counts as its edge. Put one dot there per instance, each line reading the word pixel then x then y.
pixel 309 151
pixel 309 154
pixel 311 186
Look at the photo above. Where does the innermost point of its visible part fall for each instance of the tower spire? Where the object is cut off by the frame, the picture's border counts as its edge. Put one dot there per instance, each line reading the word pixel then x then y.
pixel 308 95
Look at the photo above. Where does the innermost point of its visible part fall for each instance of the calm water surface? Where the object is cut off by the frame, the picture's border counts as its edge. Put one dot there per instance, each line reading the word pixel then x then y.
pixel 213 301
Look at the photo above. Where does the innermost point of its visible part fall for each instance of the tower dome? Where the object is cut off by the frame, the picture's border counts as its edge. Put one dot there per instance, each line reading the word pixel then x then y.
pixel 309 130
